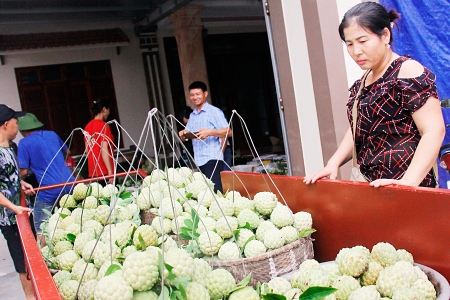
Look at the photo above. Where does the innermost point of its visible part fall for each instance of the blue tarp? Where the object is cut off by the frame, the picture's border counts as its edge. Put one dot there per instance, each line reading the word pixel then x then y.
pixel 424 33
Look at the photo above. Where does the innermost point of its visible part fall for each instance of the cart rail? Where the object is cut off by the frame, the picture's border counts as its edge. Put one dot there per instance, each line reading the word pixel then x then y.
pixel 38 272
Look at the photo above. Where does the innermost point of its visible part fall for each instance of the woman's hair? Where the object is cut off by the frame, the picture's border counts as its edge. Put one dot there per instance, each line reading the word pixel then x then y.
pixel 371 16
pixel 98 106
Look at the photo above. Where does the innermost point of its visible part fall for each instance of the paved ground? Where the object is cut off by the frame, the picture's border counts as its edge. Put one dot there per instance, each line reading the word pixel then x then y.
pixel 10 287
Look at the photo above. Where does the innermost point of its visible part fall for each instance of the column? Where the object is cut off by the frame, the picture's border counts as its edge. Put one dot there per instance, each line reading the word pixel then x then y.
pixel 188 33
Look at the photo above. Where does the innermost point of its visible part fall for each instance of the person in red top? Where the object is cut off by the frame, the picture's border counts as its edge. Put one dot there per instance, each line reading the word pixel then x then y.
pixel 100 145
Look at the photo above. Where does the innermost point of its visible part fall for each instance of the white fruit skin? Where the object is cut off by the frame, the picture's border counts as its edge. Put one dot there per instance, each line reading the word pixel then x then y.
pixel 219 283
pixel 273 239
pixel 113 287
pixel 196 291
pixel 209 242
pixel 228 250
pixel 140 270
pixel 254 248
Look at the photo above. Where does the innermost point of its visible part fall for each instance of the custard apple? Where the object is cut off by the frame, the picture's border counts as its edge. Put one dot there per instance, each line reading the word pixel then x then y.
pixel 306 278
pixel 61 276
pixel 290 234
pixel 246 293
pixel 80 191
pixel 73 229
pixel 309 264
pixel 104 214
pixel 87 290
pixel 67 259
pixel 248 216
pixel 206 224
pixel 226 225
pixel 279 285
pixel 274 239
pixel 366 292
pixel 426 287
pixel 104 252
pixel 385 254
pixel 206 197
pixel 254 248
pixel 229 250
pixel 80 215
pixel 293 294
pixel 92 226
pixel 243 236
pixel 407 293
pixel 242 203
pixel 148 234
pixel 221 207
pixel 84 272
pixel 181 262
pixel 345 285
pixel 302 221
pixel 265 202
pixel 219 283
pixel 371 275
pixel 90 202
pixel 113 287
pixel 390 279
pixel 67 201
pixel 209 242
pixel 166 226
pixel 95 189
pixel 262 228
pixel 145 295
pixel 195 187
pixel 202 269
pixel 404 255
pixel 170 208
pixel 61 247
pixel 353 263
pixel 140 270
pixel 282 216
pixel 196 291
pixel 109 191
pixel 68 289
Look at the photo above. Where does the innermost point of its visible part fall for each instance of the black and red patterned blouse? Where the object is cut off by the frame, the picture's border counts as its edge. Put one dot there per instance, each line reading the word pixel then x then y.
pixel 386 135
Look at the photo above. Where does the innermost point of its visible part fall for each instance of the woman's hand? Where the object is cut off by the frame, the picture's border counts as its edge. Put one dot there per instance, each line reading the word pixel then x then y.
pixel 327 172
pixel 20 209
pixel 27 188
pixel 385 182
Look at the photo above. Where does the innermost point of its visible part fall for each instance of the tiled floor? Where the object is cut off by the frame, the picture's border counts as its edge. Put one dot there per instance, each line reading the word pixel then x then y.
pixel 10 287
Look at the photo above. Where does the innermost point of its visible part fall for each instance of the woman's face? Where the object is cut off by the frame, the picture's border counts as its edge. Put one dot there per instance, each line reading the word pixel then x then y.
pixel 365 47
pixel 105 113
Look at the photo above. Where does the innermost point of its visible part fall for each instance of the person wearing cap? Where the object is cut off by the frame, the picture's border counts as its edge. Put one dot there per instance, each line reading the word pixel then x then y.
pixel 10 185
pixel 43 152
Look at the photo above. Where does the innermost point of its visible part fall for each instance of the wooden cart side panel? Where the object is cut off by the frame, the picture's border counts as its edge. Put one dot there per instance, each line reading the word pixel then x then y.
pixel 347 214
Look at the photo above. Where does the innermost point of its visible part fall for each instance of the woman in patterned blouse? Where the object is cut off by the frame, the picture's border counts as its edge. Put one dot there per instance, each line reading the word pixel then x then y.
pixel 399 127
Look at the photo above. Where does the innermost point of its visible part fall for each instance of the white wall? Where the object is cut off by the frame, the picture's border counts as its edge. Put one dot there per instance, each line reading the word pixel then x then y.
pixel 354 72
pixel 127 70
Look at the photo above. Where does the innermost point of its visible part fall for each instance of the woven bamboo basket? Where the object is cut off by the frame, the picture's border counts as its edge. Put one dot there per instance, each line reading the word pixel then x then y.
pixel 270 264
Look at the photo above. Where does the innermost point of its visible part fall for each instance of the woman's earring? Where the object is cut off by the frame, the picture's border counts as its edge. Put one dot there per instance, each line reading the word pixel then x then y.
pixel 388 46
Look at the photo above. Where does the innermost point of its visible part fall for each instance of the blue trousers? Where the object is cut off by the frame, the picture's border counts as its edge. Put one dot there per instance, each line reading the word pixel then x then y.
pixel 208 170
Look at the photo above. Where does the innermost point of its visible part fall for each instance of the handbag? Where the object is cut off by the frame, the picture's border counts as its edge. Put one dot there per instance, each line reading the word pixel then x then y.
pixel 356 174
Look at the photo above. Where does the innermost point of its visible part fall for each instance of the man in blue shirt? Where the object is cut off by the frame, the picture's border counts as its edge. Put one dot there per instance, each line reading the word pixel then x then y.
pixel 211 129
pixel 43 152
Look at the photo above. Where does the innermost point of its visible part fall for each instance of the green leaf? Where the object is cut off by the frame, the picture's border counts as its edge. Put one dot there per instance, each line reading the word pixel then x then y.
pixel 246 280
pixel 126 194
pixel 246 242
pixel 142 242
pixel 71 237
pixel 189 196
pixel 185 236
pixel 89 192
pixel 317 292
pixel 168 267
pixel 117 244
pixel 246 226
pixel 273 297
pixel 112 268
pixel 166 293
pixel 47 212
pixel 63 216
pixel 105 202
pixel 188 223
pixel 306 232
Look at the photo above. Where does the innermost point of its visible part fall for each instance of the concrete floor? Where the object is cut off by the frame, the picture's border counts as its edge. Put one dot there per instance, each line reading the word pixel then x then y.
pixel 10 286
